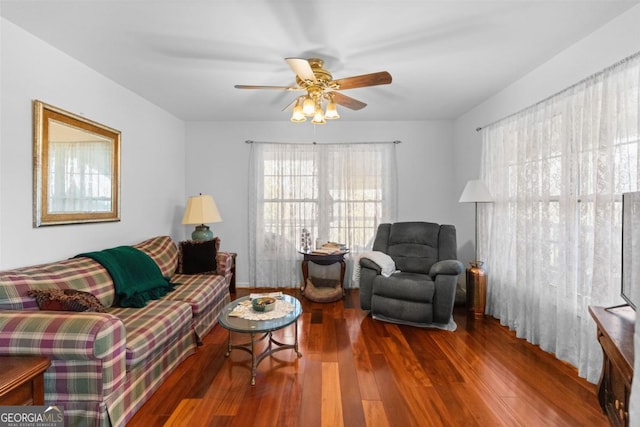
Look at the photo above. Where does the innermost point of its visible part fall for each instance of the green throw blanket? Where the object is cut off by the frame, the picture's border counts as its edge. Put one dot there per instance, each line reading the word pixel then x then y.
pixel 137 278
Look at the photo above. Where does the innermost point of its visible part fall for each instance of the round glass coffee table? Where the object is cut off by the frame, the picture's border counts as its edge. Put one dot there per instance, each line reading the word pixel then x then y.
pixel 260 330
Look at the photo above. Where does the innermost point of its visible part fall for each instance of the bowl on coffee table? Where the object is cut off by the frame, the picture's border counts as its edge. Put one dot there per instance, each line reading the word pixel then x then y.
pixel 263 304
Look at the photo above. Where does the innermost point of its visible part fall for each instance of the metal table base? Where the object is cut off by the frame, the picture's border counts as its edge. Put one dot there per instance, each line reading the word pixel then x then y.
pixel 249 347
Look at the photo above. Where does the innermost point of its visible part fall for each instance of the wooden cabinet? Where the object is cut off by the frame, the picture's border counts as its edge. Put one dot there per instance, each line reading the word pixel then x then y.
pixel 615 334
pixel 22 380
pixel 232 283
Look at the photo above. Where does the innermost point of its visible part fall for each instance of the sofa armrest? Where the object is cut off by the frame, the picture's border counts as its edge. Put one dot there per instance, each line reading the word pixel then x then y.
pixel 62 335
pixel 87 350
pixel 224 262
pixel 451 267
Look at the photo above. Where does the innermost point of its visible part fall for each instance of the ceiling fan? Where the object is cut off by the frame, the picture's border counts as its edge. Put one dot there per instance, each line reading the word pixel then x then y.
pixel 321 89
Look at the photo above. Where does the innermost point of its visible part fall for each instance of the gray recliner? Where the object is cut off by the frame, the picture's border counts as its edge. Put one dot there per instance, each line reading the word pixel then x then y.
pixel 422 292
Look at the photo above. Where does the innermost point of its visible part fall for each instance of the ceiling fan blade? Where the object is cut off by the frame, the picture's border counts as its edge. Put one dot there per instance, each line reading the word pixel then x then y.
pixel 267 87
pixel 347 101
pixel 290 105
pixel 301 67
pixel 373 79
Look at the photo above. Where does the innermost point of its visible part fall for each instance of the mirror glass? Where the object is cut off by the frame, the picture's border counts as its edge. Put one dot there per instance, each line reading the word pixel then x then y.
pixel 76 168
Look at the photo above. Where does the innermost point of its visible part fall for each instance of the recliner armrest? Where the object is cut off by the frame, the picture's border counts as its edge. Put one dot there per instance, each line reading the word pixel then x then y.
pixel 450 266
pixel 367 263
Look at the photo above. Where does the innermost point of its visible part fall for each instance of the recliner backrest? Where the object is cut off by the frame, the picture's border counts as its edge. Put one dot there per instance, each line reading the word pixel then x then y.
pixel 416 246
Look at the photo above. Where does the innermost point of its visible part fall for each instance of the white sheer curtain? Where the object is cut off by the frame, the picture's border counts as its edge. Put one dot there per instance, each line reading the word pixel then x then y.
pixel 552 238
pixel 339 192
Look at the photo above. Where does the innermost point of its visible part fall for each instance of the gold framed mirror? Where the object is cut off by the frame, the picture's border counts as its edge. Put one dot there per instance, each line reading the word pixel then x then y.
pixel 76 168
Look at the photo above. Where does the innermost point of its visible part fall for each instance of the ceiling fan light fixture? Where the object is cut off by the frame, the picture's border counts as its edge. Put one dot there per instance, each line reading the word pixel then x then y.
pixel 318 118
pixel 321 90
pixel 309 106
pixel 298 116
pixel 332 111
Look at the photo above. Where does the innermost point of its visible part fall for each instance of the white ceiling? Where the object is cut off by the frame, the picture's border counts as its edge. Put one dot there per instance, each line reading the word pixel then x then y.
pixel 185 56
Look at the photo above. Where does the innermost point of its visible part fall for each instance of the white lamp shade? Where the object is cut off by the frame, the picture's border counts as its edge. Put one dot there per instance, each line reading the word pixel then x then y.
pixel 201 209
pixel 475 192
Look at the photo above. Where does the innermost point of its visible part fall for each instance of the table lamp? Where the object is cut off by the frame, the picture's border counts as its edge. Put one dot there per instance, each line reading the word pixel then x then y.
pixel 201 209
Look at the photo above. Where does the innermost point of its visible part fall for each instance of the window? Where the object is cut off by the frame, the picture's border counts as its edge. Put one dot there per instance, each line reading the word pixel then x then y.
pixel 552 238
pixel 339 192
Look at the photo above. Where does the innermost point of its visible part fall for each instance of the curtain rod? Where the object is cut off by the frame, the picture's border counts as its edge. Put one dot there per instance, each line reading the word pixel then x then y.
pixel 248 141
pixel 573 86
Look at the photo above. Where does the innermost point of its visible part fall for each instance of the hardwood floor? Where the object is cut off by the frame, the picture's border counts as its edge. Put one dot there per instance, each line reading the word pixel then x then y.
pixel 355 371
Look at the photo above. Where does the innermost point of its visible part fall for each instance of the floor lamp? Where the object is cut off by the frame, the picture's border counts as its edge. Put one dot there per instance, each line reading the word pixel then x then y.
pixel 476 192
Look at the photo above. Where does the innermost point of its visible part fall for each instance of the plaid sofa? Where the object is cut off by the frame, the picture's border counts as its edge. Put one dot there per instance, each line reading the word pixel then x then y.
pixel 104 366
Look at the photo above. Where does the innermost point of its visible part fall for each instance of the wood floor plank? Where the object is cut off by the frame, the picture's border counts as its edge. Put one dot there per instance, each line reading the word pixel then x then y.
pixel 184 413
pixel 364 370
pixel 315 341
pixel 402 359
pixel 353 411
pixel 329 344
pixel 360 372
pixel 331 407
pixel 393 400
pixel 311 394
pixel 374 413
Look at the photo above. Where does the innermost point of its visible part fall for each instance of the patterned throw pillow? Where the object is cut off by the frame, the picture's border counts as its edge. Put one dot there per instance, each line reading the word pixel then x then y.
pixel 66 300
pixel 198 256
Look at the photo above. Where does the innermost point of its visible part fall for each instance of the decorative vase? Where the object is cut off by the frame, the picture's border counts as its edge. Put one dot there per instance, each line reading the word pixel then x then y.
pixel 202 232
pixel 476 288
pixel 305 240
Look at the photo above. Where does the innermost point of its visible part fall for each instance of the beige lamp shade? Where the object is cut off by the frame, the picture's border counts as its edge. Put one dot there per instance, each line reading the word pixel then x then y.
pixel 201 209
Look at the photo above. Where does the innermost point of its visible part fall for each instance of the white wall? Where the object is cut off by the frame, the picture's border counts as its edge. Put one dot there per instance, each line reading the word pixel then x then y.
pixel 613 42
pixel 152 158
pixel 218 164
pixel 435 159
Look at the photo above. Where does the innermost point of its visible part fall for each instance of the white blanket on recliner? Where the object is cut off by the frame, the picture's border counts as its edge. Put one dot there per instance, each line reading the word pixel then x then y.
pixel 384 261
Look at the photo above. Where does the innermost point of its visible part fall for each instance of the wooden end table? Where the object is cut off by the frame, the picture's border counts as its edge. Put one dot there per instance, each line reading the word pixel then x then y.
pixel 322 259
pixel 22 380
pixel 232 283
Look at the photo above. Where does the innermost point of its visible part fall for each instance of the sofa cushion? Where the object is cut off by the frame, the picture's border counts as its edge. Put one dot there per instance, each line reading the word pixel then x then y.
pixel 197 256
pixel 198 290
pixel 77 273
pixel 66 300
pixel 206 293
pixel 163 251
pixel 151 328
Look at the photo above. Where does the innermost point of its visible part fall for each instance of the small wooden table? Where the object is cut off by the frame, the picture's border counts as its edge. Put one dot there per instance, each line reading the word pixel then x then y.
pixel 323 259
pixel 22 380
